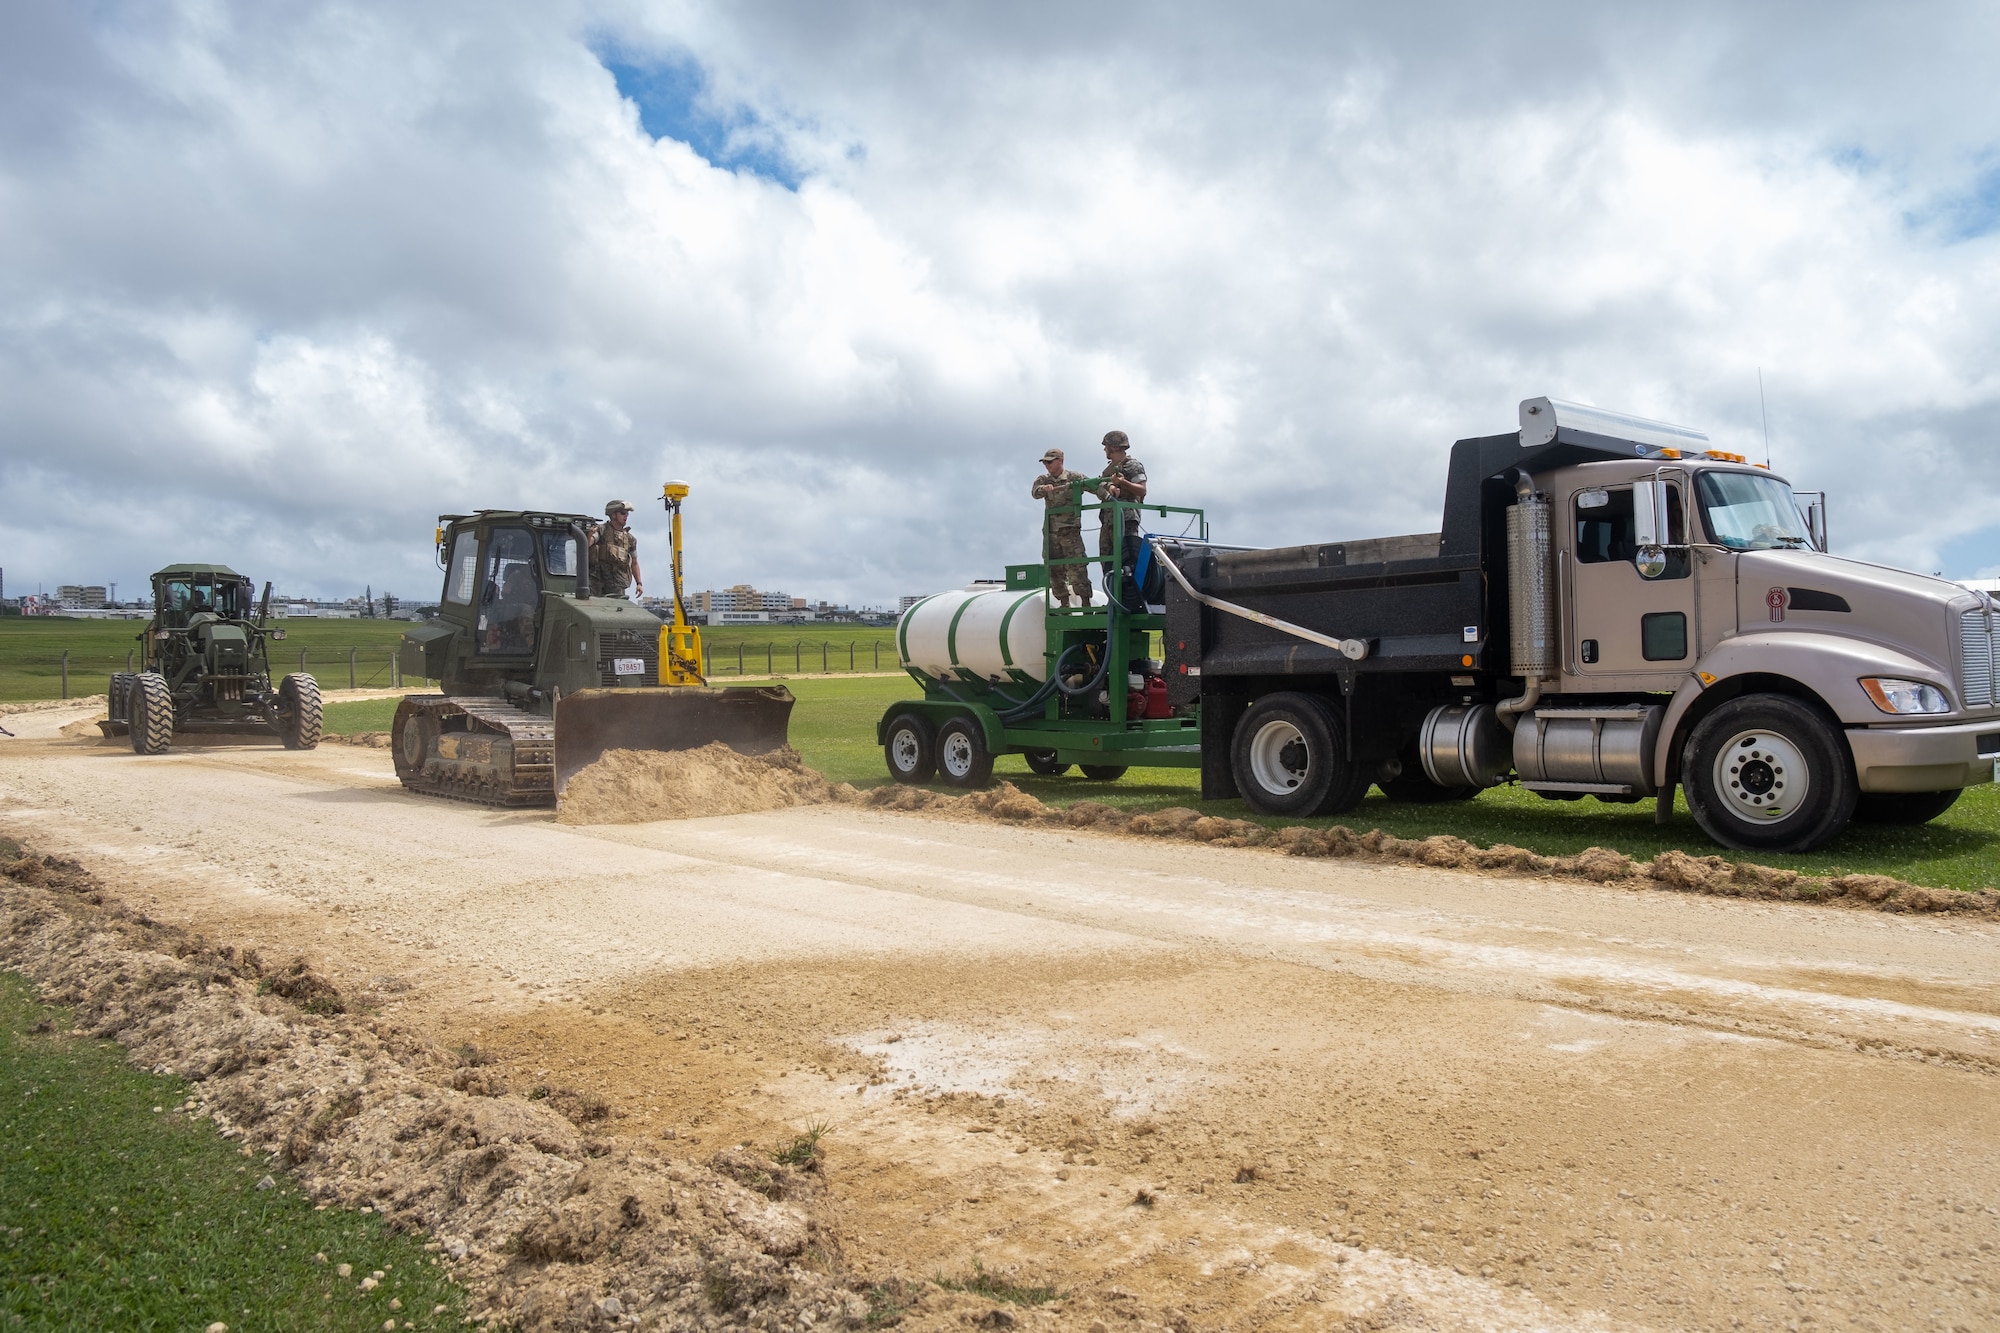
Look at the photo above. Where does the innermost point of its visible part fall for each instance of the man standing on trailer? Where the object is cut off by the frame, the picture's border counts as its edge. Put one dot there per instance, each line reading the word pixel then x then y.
pixel 614 554
pixel 1060 490
pixel 1123 478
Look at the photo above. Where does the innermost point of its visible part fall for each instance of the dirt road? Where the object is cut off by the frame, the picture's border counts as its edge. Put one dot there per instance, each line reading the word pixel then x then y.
pixel 1187 1085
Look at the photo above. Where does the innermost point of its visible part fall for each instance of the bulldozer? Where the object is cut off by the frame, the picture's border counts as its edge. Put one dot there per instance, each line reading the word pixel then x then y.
pixel 541 675
pixel 204 668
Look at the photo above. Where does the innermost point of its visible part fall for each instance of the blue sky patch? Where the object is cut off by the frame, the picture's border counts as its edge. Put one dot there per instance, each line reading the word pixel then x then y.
pixel 1965 556
pixel 677 101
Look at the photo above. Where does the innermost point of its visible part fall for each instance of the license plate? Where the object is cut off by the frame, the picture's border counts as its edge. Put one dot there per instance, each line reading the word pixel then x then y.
pixel 629 666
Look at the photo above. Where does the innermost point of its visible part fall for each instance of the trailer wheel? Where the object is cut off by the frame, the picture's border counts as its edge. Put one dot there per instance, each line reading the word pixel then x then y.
pixel 962 757
pixel 1289 757
pixel 299 714
pixel 1045 763
pixel 1767 773
pixel 909 749
pixel 1902 807
pixel 1102 772
pixel 150 709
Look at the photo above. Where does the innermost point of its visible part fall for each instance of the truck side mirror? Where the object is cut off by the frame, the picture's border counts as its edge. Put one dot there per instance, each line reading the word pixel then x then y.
pixel 1649 515
pixel 1816 521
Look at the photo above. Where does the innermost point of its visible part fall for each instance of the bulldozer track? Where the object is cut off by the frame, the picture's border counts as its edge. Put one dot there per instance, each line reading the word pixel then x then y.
pixel 527 777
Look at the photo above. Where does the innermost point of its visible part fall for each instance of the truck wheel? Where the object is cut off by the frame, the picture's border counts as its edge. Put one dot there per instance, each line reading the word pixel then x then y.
pixel 908 747
pixel 1767 773
pixel 962 757
pixel 1102 772
pixel 118 708
pixel 299 711
pixel 1289 757
pixel 1902 807
pixel 1045 763
pixel 150 709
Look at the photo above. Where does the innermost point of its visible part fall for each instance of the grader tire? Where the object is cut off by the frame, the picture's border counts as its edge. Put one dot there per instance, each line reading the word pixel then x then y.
pixel 151 711
pixel 299 714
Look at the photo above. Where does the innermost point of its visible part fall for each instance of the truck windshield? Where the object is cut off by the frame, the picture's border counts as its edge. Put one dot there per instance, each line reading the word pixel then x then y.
pixel 1746 512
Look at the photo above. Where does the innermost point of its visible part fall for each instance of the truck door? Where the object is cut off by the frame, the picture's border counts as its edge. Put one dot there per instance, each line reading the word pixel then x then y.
pixel 1618 622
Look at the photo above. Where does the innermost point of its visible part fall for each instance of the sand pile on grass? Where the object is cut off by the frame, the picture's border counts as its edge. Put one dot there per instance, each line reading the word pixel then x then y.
pixel 548 1218
pixel 1672 870
pixel 639 786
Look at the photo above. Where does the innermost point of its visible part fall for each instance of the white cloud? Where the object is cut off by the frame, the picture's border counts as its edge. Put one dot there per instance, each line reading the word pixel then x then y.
pixel 302 279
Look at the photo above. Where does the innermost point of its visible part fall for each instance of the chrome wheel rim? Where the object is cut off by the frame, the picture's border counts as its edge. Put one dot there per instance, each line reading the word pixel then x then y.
pixel 903 747
pixel 1762 777
pixel 1279 759
pixel 955 754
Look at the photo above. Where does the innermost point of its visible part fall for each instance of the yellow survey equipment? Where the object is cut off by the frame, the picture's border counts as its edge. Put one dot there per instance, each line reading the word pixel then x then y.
pixel 680 642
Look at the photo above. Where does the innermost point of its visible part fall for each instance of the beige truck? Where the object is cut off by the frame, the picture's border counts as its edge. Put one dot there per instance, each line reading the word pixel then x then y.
pixel 1612 610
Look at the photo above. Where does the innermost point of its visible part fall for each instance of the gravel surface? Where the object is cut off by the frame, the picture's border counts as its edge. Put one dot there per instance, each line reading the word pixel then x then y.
pixel 1186 1085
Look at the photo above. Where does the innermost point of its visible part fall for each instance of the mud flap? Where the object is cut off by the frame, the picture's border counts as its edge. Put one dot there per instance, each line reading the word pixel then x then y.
pixel 749 719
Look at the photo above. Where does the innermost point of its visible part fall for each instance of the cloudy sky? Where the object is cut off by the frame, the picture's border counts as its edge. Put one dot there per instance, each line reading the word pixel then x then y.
pixel 281 282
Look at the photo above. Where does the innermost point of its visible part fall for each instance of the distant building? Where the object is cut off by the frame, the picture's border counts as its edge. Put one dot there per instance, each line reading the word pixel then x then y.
pixel 75 597
pixel 739 617
pixel 905 603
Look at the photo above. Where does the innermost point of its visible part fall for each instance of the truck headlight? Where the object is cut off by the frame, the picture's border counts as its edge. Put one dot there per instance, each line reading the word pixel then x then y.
pixel 1905 696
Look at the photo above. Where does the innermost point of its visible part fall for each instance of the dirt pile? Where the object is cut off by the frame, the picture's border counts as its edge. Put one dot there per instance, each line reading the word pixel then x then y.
pixel 639 786
pixel 1674 870
pixel 368 740
pixel 550 1225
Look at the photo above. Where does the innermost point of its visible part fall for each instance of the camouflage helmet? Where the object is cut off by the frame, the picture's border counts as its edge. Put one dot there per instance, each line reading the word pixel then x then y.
pixel 1115 439
pixel 615 506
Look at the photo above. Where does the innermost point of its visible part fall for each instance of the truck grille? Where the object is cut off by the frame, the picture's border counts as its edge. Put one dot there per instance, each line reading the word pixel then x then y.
pixel 1978 638
pixel 611 647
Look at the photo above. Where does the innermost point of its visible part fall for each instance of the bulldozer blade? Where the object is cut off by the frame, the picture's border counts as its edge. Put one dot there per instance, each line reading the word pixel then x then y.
pixel 749 719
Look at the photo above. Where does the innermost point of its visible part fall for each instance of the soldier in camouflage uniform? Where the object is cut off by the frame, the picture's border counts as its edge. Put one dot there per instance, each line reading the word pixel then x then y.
pixel 1061 491
pixel 614 554
pixel 1123 478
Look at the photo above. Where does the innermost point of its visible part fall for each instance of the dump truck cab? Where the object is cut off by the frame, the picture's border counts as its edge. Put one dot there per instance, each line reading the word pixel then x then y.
pixel 1735 592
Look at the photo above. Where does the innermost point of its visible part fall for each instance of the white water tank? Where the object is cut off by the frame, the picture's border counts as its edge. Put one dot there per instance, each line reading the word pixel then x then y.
pixel 987 629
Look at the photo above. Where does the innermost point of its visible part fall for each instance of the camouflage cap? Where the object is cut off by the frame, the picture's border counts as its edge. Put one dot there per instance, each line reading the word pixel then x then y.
pixel 1115 439
pixel 1053 456
pixel 613 506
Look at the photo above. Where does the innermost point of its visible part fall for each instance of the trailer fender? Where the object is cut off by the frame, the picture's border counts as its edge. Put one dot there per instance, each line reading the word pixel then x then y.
pixel 1824 668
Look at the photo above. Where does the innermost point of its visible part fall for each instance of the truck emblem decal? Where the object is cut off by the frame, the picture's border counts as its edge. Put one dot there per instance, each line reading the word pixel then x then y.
pixel 1775 599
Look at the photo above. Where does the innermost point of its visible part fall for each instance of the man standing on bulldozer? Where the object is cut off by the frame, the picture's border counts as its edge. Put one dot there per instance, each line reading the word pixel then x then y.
pixel 614 554
pixel 1061 492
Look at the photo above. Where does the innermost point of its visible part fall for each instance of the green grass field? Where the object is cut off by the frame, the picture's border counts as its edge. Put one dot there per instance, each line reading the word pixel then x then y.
pixel 31 649
pixel 117 1213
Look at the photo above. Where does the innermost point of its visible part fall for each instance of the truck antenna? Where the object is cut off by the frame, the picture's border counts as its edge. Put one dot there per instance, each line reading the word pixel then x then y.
pixel 1764 412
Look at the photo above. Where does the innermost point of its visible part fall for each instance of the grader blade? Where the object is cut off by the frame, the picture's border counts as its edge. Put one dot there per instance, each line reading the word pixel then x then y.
pixel 749 719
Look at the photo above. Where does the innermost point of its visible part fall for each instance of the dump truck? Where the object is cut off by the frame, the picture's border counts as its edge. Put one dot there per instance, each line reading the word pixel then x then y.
pixel 205 668
pixel 540 676
pixel 1612 610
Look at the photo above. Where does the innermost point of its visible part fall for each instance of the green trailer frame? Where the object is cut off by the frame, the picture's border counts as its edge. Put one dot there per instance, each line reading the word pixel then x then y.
pixel 1112 741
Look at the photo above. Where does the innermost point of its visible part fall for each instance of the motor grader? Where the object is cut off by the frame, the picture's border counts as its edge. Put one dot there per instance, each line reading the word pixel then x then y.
pixel 204 668
pixel 541 675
